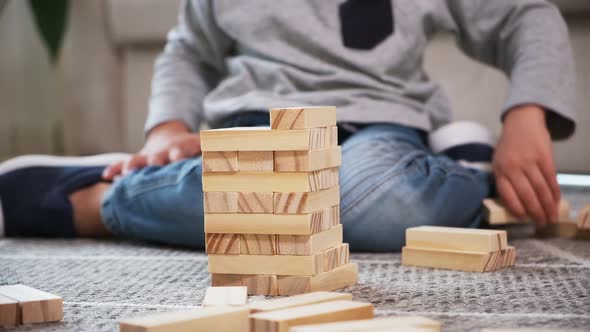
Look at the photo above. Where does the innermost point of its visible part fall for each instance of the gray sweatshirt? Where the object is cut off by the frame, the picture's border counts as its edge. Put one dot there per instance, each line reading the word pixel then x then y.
pixel 363 56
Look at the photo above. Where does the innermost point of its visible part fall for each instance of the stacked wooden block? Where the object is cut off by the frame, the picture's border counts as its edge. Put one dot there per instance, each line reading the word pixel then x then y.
pixel 271 201
pixel 473 250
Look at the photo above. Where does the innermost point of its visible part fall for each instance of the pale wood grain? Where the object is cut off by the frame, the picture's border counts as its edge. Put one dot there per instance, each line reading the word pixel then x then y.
pixel 401 323
pixel 309 244
pixel 455 238
pixel 297 301
pixel 261 284
pixel 35 306
pixel 342 276
pixel 227 244
pixel 452 260
pixel 496 214
pixel 225 296
pixel 256 161
pixel 305 202
pixel 302 117
pixel 9 311
pixel 259 244
pixel 220 202
pixel 304 161
pixel 255 202
pixel 220 161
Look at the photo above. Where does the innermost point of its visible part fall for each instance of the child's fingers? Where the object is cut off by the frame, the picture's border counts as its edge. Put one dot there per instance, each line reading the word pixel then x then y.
pixel 176 154
pixel 158 159
pixel 543 192
pixel 528 197
pixel 112 170
pixel 135 162
pixel 549 173
pixel 509 197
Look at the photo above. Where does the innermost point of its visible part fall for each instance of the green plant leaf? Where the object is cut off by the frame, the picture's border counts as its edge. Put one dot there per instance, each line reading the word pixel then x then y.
pixel 51 20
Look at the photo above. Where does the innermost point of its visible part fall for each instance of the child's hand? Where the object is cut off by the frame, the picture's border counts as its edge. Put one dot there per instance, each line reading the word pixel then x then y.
pixel 167 143
pixel 524 168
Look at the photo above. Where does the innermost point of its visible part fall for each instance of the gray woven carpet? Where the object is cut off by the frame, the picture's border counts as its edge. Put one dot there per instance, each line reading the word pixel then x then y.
pixel 104 281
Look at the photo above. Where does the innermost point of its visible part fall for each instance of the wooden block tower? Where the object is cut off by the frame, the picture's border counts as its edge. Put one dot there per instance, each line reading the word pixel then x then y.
pixel 272 205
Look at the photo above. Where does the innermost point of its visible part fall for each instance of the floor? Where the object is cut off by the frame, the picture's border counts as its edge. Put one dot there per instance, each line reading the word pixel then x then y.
pixel 104 281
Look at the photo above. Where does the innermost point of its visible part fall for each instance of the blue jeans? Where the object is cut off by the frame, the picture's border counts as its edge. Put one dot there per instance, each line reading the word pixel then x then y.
pixel 389 181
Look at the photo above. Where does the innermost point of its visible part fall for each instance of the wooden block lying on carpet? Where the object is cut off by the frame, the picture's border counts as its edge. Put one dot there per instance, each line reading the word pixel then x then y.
pixel 452 260
pixel 306 202
pixel 259 244
pixel 496 214
pixel 584 217
pixel 334 311
pixel 254 202
pixel 305 161
pixel 218 319
pixel 220 202
pixel 220 161
pixel 8 312
pixel 295 224
pixel 255 161
pixel 302 117
pixel 225 296
pixel 35 306
pixel 271 181
pixel 563 229
pixel 227 244
pixel 402 323
pixel 265 139
pixel 454 238
pixel 280 264
pixel 257 284
pixel 340 277
pixel 297 301
pixel 309 244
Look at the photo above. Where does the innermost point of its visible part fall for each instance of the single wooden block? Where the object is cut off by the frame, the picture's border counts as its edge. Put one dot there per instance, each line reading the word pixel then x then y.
pixel 447 259
pixel 220 202
pixel 261 284
pixel 306 202
pixel 401 323
pixel 265 139
pixel 218 319
pixel 259 244
pixel 225 296
pixel 221 280
pixel 220 161
pixel 227 244
pixel 584 217
pixel 302 117
pixel 309 244
pixel 9 315
pixel 279 264
pixel 297 224
pixel 563 229
pixel 454 238
pixel 271 181
pixel 340 277
pixel 256 161
pixel 298 301
pixel 35 306
pixel 334 311
pixel 305 161
pixel 252 202
pixel 496 214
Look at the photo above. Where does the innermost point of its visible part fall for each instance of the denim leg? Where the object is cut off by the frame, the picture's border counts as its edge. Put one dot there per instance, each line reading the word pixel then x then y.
pixel 158 203
pixel 391 181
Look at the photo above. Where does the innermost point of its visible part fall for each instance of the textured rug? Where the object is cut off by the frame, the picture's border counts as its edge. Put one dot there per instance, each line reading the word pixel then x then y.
pixel 102 282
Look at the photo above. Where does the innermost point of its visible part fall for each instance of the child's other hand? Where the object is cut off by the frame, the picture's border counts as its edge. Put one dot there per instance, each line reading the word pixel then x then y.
pixel 524 168
pixel 167 143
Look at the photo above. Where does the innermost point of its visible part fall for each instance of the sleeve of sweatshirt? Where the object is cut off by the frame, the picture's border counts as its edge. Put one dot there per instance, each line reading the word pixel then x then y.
pixel 529 41
pixel 191 64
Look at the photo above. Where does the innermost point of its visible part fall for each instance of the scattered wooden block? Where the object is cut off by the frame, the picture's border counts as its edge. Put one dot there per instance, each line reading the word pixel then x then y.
pixel 220 202
pixel 298 301
pixel 271 181
pixel 8 312
pixel 219 319
pixel 35 306
pixel 309 244
pixel 259 244
pixel 251 202
pixel 452 260
pixel 227 244
pixel 282 320
pixel 302 117
pixel 256 161
pixel 220 161
pixel 280 264
pixel 265 139
pixel 584 217
pixel 454 238
pixel 306 202
pixel 496 214
pixel 340 277
pixel 225 296
pixel 261 284
pixel 296 224
pixel 224 280
pixel 305 161
pixel 402 323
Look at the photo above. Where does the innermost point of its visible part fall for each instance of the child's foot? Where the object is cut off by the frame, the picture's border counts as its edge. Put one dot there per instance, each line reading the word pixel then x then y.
pixel 35 192
pixel 469 143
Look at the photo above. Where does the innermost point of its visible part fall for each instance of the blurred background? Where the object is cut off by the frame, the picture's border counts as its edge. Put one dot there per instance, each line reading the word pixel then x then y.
pixel 89 93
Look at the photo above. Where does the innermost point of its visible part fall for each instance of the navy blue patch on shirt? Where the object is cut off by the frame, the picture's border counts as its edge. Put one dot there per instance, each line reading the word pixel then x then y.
pixel 365 23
